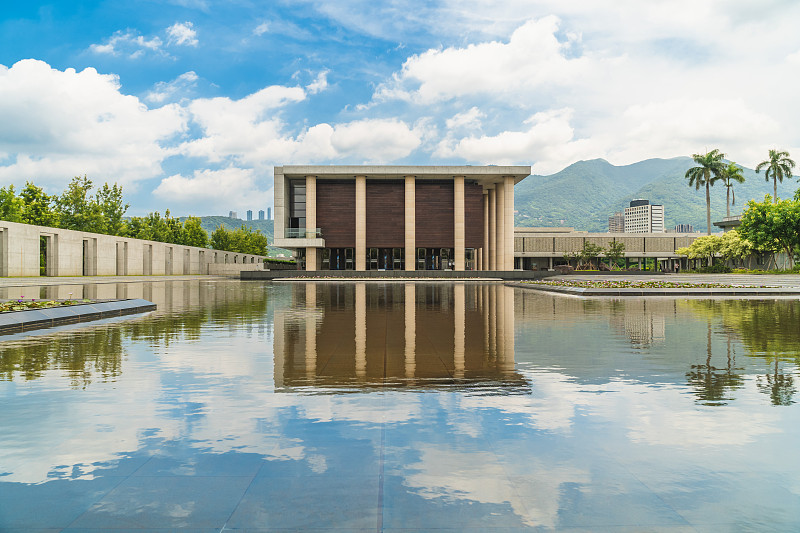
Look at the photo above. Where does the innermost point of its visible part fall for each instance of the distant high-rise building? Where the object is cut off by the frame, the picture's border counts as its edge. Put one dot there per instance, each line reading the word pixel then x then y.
pixel 644 217
pixel 249 215
pixel 260 214
pixel 233 214
pixel 616 223
pixel 684 228
pixel 269 213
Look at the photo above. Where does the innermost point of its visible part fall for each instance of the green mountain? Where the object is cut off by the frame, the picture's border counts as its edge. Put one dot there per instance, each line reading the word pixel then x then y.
pixel 211 223
pixel 584 194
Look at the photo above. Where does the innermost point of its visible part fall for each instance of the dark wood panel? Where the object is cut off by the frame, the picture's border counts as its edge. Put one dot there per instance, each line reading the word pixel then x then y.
pixel 336 212
pixel 473 215
pixel 434 214
pixel 385 214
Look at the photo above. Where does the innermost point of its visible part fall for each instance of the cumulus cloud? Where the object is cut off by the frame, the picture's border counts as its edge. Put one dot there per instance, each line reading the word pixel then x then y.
pixel 182 34
pixel 261 29
pixel 320 83
pixel 57 124
pixel 533 56
pixel 215 190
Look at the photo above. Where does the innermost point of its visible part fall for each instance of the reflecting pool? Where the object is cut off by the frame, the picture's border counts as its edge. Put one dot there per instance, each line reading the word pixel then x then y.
pixel 402 406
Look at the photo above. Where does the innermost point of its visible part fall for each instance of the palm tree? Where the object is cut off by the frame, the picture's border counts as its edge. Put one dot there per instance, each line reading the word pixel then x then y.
pixel 778 166
pixel 706 174
pixel 731 173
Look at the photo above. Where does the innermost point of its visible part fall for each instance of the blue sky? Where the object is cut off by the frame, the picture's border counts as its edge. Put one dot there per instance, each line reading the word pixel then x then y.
pixel 189 104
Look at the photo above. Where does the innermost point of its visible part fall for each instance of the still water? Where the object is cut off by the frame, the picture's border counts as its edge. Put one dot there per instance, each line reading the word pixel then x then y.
pixel 403 406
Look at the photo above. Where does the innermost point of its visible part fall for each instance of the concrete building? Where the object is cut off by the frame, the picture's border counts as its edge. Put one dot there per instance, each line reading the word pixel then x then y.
pixel 616 223
pixel 644 217
pixel 78 253
pixel 397 217
pixel 249 215
pixel 684 228
pixel 269 213
pixel 544 248
pixel 261 214
pixel 233 214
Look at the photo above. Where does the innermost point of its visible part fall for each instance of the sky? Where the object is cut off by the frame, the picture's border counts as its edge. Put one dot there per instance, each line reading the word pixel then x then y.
pixel 189 104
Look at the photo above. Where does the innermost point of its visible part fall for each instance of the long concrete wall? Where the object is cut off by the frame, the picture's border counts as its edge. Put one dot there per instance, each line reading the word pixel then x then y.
pixel 78 253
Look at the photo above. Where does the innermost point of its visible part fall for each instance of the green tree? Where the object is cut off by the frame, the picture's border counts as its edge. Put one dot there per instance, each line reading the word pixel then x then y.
pixel 704 175
pixel 615 252
pixel 733 246
pixel 778 166
pixel 703 248
pixel 112 207
pixel 772 226
pixel 730 174
pixel 221 239
pixel 38 208
pixel 78 210
pixel 195 235
pixel 590 251
pixel 11 205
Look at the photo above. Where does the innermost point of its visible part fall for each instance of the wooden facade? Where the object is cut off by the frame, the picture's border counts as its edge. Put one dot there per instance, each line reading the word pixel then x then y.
pixel 336 216
pixel 385 214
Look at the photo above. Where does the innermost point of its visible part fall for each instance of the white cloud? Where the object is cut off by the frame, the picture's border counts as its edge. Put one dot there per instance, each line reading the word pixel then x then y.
pixel 319 84
pixel 532 57
pixel 261 29
pixel 374 140
pixel 182 34
pixel 168 91
pixel 128 43
pixel 468 119
pixel 207 190
pixel 58 124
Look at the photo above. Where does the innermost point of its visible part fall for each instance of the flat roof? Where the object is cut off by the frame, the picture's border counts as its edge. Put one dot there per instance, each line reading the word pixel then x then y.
pixel 484 174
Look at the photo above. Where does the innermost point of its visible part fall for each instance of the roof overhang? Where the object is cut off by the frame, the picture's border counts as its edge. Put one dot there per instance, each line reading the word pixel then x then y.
pixel 485 175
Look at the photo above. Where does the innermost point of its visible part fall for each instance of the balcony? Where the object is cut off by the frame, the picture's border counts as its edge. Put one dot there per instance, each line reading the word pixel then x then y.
pixel 302 233
pixel 300 238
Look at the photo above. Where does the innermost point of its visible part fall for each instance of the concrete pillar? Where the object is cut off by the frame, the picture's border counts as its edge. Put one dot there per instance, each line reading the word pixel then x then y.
pixel 459 309
pixel 361 330
pixel 485 250
pixel 479 258
pixel 410 307
pixel 311 221
pixel 500 226
pixel 411 223
pixel 458 221
pixel 492 229
pixel 508 224
pixel 361 223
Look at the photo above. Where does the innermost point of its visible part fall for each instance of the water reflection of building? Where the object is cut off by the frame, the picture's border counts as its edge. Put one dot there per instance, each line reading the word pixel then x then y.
pixel 395 334
pixel 644 322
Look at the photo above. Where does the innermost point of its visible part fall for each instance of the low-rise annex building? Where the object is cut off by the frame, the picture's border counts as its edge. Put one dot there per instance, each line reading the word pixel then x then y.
pixel 342 217
pixel 79 253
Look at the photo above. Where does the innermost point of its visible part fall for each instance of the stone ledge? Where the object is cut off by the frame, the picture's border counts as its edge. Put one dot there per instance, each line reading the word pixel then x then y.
pixel 21 321
pixel 678 291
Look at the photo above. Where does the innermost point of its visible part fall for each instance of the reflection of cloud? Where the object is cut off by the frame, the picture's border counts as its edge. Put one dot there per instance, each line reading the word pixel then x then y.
pixel 480 476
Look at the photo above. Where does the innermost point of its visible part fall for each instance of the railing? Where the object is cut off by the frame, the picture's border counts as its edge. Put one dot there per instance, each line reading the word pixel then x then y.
pixel 735 217
pixel 303 233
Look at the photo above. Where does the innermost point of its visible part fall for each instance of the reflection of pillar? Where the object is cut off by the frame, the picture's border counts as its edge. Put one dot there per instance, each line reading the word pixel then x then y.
pixel 410 223
pixel 311 329
pixel 508 328
pixel 492 321
pixel 410 303
pixel 361 222
pixel 500 326
pixel 278 347
pixel 311 221
pixel 459 311
pixel 485 249
pixel 483 306
pixel 508 224
pixel 492 229
pixel 500 221
pixel 458 223
pixel 361 330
